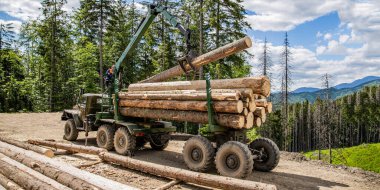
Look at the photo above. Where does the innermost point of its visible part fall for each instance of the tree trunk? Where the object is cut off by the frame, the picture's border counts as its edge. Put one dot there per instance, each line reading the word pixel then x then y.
pixel 44 151
pixel 249 121
pixel 8 184
pixel 261 103
pixel 257 122
pixel 184 175
pixel 260 112
pixel 195 96
pixel 49 171
pixel 269 108
pixel 204 59
pixel 22 178
pixel 226 120
pixel 101 182
pixel 259 85
pixel 218 106
pixel 243 92
pixel 70 147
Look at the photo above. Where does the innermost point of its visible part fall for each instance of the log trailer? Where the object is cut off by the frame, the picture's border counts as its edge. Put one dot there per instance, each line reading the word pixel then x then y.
pixel 224 147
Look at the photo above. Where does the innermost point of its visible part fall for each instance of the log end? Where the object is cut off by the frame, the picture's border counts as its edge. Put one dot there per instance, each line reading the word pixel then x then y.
pixel 248 41
pixel 49 153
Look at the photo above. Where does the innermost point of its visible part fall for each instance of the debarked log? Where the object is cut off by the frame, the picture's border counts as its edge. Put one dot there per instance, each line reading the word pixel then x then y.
pixel 184 97
pixel 259 85
pixel 226 120
pixel 218 106
pixel 204 59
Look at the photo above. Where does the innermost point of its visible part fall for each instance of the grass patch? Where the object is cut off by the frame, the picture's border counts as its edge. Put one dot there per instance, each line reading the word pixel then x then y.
pixel 365 156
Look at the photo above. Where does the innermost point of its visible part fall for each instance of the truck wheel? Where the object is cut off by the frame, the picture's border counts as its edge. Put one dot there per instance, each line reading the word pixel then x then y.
pixel 234 159
pixel 104 136
pixel 71 132
pixel 140 142
pixel 124 142
pixel 267 152
pixel 198 154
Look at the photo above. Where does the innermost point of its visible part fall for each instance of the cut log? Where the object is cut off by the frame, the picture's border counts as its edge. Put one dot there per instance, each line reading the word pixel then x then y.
pixel 259 85
pixel 187 97
pixel 51 182
pixel 69 147
pixel 22 178
pixel 44 151
pixel 45 169
pixel 184 175
pixel 96 180
pixel 226 120
pixel 204 59
pixel 245 111
pixel 269 107
pixel 260 112
pixel 218 106
pixel 261 103
pixel 257 122
pixel 169 185
pixel 8 184
pixel 244 92
pixel 249 121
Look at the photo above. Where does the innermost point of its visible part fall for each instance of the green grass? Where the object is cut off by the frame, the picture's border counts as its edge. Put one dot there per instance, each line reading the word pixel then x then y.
pixel 365 156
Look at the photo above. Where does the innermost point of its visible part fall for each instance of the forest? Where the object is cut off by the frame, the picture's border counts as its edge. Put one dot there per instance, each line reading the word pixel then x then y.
pixel 44 66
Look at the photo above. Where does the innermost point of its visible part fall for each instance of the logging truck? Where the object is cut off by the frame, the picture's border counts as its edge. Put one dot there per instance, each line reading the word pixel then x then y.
pixel 127 119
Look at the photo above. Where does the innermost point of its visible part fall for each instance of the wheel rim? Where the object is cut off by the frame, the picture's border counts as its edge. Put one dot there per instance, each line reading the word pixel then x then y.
pixel 262 155
pixel 68 130
pixel 232 161
pixel 196 154
pixel 121 141
pixel 102 137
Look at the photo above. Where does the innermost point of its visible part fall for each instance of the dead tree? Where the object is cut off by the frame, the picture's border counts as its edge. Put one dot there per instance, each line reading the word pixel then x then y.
pixel 286 81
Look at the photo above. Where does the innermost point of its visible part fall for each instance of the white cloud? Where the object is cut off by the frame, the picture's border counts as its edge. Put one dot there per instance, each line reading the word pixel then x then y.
pixel 22 9
pixel 320 50
pixel 284 15
pixel 343 38
pixel 327 36
pixel 15 24
pixel 319 34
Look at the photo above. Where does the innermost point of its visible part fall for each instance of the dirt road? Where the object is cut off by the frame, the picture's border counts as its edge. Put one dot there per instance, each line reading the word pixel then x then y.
pixel 289 174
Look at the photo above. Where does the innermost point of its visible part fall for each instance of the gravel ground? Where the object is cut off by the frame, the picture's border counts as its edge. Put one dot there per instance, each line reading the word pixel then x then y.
pixel 293 171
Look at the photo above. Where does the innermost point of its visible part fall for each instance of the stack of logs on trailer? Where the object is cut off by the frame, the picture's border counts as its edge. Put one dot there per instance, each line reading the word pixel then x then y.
pixel 237 103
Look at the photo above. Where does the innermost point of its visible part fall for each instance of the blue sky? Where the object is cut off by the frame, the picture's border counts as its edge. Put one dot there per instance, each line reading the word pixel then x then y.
pixel 338 37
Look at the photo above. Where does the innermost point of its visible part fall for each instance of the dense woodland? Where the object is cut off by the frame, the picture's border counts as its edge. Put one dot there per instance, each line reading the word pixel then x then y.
pixel 61 52
pixel 44 66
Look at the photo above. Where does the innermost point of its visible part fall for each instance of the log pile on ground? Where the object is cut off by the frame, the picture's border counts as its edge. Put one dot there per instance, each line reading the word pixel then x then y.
pixel 25 169
pixel 237 103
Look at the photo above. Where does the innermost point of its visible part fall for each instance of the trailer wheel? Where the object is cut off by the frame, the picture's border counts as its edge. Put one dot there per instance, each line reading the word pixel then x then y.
pixel 105 136
pixel 124 142
pixel 71 132
pixel 198 154
pixel 234 159
pixel 267 152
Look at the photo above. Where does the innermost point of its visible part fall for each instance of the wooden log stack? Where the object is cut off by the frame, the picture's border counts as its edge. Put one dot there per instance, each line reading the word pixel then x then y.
pixel 237 103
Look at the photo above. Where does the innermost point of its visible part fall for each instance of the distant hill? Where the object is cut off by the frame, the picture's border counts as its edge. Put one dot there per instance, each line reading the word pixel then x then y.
pixel 311 94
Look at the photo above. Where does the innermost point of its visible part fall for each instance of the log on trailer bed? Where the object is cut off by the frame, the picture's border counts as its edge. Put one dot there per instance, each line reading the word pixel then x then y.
pixel 259 85
pixel 8 184
pixel 204 59
pixel 218 106
pixel 44 151
pixel 185 97
pixel 45 169
pixel 101 182
pixel 226 120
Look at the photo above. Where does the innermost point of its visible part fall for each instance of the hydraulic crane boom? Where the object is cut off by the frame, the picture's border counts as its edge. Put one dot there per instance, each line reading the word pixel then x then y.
pixel 153 11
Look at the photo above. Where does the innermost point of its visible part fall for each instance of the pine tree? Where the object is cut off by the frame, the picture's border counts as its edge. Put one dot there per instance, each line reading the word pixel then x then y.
pixel 286 81
pixel 6 35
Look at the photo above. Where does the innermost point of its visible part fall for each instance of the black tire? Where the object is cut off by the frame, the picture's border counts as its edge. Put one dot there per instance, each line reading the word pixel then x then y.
pixel 105 136
pixel 159 147
pixel 198 154
pixel 140 142
pixel 124 142
pixel 234 159
pixel 268 152
pixel 71 132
